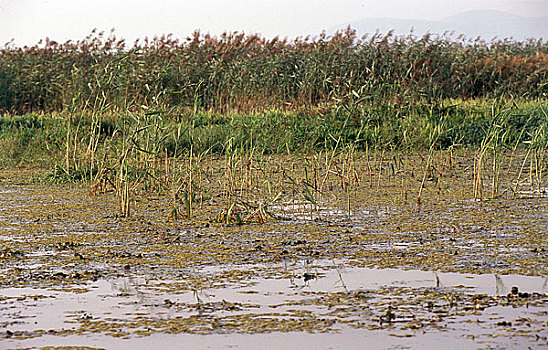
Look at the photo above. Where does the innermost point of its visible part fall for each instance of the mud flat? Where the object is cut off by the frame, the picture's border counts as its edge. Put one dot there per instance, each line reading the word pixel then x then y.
pixel 455 272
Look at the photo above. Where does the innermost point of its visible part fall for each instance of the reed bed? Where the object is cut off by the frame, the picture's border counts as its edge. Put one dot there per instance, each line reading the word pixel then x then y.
pixel 201 120
pixel 245 73
pixel 249 167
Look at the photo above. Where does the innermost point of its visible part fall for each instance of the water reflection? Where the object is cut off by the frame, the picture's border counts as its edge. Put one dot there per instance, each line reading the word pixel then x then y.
pixel 346 296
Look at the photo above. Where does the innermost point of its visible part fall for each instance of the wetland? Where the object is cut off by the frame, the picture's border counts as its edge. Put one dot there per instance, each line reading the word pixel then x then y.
pixel 240 192
pixel 360 260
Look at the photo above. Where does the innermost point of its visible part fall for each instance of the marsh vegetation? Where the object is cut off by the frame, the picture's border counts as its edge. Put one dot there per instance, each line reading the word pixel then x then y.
pixel 238 185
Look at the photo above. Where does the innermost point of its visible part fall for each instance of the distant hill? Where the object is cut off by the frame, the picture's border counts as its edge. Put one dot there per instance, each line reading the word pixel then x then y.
pixel 486 24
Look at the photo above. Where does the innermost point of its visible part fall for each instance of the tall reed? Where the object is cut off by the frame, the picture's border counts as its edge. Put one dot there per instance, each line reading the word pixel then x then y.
pixel 245 73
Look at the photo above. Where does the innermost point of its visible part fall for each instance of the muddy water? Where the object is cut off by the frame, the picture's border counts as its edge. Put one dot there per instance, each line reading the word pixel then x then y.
pixel 348 305
pixel 455 274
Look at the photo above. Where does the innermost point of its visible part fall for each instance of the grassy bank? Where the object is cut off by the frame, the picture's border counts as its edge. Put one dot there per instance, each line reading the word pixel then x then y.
pixel 42 139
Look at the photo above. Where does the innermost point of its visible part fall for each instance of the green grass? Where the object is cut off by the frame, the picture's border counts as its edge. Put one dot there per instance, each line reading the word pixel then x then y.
pixel 41 139
pixel 165 151
pixel 30 140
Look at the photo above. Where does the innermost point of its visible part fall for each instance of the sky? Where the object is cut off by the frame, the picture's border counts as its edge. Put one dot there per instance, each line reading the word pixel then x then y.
pixel 28 21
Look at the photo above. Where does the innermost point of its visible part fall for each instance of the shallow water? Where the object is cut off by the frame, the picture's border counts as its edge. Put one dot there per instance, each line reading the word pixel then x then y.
pixel 351 298
pixel 384 274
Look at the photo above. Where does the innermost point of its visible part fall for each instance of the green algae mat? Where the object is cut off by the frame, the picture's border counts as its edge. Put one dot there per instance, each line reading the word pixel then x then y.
pixel 359 262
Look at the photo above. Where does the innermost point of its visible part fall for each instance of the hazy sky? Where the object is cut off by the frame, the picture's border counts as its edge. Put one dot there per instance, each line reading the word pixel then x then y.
pixel 28 21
